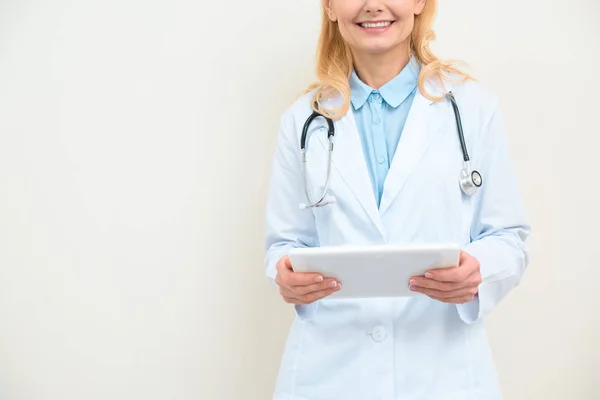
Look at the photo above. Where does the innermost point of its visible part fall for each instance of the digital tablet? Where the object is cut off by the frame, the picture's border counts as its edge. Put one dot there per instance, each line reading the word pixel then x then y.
pixel 374 270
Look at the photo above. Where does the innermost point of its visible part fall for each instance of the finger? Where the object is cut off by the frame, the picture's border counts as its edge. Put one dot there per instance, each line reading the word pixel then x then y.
pixel 292 294
pixel 463 292
pixel 296 279
pixel 427 283
pixel 418 281
pixel 309 297
pixel 452 274
pixel 326 284
pixel 288 294
pixel 320 294
pixel 292 281
pixel 300 292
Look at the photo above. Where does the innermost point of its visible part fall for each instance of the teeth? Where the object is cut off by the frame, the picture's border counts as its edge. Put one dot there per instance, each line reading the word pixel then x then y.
pixel 375 24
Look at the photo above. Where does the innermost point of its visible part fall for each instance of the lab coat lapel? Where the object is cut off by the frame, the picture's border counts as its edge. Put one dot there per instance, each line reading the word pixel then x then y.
pixel 349 160
pixel 423 124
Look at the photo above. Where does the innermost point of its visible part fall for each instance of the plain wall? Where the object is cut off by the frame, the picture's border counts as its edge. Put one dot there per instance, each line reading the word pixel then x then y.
pixel 135 146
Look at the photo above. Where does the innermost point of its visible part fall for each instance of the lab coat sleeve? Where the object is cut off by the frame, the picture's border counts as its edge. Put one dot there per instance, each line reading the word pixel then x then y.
pixel 499 225
pixel 287 226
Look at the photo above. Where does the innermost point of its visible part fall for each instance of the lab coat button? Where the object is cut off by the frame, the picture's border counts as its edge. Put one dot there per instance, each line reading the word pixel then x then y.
pixel 378 334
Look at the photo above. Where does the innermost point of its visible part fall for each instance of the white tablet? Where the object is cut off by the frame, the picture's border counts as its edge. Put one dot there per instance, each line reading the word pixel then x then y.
pixel 375 270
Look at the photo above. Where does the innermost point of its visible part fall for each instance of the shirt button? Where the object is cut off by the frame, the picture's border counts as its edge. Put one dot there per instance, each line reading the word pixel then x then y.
pixel 378 334
pixel 376 96
pixel 381 160
pixel 376 120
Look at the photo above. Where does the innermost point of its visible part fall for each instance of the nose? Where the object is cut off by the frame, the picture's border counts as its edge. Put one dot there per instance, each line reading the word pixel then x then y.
pixel 373 6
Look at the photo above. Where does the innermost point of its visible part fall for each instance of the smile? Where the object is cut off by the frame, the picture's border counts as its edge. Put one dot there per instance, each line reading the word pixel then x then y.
pixel 375 25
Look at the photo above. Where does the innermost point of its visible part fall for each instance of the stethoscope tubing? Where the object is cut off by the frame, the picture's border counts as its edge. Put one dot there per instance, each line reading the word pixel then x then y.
pixel 469 180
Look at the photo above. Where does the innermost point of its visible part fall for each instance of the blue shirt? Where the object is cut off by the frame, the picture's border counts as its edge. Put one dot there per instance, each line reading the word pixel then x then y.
pixel 380 117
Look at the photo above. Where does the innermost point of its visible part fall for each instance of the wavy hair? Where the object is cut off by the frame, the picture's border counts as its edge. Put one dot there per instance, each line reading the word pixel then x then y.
pixel 335 61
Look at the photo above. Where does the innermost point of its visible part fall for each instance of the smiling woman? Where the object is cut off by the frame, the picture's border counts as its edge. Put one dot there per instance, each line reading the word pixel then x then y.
pixel 395 180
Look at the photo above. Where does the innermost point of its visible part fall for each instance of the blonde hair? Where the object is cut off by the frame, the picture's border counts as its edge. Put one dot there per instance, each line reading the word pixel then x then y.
pixel 335 63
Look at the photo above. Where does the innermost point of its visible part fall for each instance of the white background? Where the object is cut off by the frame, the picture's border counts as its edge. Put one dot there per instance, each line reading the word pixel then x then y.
pixel 135 145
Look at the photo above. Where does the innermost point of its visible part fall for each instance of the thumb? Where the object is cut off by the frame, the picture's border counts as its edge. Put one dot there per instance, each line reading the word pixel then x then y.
pixel 284 266
pixel 288 263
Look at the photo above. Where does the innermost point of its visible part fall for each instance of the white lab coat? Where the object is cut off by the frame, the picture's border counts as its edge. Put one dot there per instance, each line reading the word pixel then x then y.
pixel 398 348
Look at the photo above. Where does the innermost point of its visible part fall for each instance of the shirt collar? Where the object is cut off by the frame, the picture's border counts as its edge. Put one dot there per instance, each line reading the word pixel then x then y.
pixel 393 92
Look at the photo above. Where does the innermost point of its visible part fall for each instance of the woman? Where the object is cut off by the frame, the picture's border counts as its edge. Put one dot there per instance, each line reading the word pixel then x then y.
pixel 394 177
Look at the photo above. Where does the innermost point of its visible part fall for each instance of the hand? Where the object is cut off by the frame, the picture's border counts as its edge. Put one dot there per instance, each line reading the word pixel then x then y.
pixel 456 285
pixel 301 287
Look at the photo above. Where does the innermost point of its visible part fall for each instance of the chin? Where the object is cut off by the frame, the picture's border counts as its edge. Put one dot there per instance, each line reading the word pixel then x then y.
pixel 377 49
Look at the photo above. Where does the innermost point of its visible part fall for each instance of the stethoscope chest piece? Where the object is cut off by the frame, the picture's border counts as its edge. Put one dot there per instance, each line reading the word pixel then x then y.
pixel 470 181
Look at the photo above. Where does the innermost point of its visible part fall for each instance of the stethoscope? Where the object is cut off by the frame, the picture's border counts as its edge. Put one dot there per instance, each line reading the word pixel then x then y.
pixel 469 180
